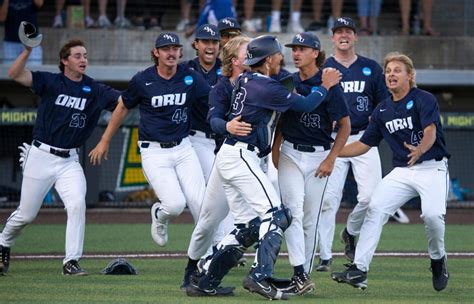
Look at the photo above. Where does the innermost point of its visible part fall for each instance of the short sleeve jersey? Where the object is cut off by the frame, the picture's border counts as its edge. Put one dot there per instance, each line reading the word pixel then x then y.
pixel 364 87
pixel 69 110
pixel 314 128
pixel 259 101
pixel 200 109
pixel 165 105
pixel 404 121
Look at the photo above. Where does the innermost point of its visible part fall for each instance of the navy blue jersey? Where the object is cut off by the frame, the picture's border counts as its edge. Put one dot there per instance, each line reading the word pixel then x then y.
pixel 200 109
pixel 363 84
pixel 281 74
pixel 69 110
pixel 18 11
pixel 165 105
pixel 219 101
pixel 404 121
pixel 314 128
pixel 259 100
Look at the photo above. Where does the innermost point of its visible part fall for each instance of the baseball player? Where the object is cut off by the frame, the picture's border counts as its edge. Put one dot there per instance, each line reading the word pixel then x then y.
pixel 257 99
pixel 228 28
pixel 409 121
pixel 71 103
pixel 363 86
pixel 306 158
pixel 165 93
pixel 215 209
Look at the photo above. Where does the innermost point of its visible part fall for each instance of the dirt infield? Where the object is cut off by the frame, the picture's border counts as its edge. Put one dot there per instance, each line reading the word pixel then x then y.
pixel 142 215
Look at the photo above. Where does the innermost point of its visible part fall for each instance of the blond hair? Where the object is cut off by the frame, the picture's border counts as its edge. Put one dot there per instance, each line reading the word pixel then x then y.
pixel 230 51
pixel 396 56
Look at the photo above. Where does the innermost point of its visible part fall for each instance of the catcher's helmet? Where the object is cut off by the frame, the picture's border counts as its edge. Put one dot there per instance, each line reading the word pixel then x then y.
pixel 28 34
pixel 260 48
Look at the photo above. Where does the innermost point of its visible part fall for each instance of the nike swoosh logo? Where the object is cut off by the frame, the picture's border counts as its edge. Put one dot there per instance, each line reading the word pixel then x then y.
pixel 354 277
pixel 148 83
pixel 383 110
pixel 265 289
pixel 446 275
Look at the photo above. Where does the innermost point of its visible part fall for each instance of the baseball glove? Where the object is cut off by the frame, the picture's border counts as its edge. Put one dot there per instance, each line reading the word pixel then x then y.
pixel 119 266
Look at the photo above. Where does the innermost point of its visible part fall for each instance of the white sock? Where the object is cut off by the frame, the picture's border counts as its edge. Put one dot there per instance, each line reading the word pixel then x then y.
pixel 276 15
pixel 295 17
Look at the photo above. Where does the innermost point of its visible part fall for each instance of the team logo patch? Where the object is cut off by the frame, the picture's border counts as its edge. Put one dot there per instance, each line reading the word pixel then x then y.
pixel 314 89
pixel 409 104
pixel 86 89
pixel 219 72
pixel 366 71
pixel 188 80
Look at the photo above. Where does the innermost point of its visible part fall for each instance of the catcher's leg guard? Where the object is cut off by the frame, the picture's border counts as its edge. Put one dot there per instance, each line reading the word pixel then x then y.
pixel 269 245
pixel 228 254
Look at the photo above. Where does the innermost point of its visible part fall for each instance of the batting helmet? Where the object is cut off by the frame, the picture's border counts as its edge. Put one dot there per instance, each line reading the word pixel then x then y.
pixel 28 34
pixel 260 48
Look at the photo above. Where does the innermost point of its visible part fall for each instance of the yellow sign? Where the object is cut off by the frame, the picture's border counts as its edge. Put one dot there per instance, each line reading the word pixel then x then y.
pixel 18 117
pixel 130 175
pixel 458 120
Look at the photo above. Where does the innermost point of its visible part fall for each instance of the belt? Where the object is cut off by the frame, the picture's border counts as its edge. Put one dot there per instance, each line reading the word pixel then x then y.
pixel 60 153
pixel 164 145
pixel 208 135
pixel 310 148
pixel 233 142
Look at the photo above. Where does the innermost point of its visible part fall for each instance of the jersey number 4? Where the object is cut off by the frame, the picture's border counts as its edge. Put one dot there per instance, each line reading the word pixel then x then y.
pixel 180 116
pixel 310 120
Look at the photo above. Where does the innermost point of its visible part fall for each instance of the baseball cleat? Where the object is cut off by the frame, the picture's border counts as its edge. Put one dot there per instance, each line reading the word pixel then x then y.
pixel 5 264
pixel 303 283
pixel 194 291
pixel 352 276
pixel 440 273
pixel 159 231
pixel 73 268
pixel 349 241
pixel 188 274
pixel 324 265
pixel 264 288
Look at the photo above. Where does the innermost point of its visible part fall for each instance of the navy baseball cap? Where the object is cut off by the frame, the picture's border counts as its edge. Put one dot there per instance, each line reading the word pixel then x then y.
pixel 306 39
pixel 228 24
pixel 165 39
pixel 208 32
pixel 344 22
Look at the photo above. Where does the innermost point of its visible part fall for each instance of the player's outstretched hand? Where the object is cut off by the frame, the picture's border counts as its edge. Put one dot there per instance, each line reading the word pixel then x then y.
pixel 325 168
pixel 415 154
pixel 330 77
pixel 238 127
pixel 100 152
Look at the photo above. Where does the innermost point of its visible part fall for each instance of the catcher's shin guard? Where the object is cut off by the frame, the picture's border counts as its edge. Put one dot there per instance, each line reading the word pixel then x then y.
pixel 222 262
pixel 269 245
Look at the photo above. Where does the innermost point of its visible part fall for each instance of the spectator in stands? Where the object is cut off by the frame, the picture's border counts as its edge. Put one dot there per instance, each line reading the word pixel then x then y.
pixel 147 21
pixel 185 15
pixel 120 20
pixel 58 19
pixel 211 12
pixel 427 8
pixel 336 12
pixel 368 11
pixel 248 24
pixel 294 25
pixel 13 13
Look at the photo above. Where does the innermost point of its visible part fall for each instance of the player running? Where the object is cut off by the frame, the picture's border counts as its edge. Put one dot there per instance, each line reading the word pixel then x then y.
pixel 410 123
pixel 71 103
pixel 165 93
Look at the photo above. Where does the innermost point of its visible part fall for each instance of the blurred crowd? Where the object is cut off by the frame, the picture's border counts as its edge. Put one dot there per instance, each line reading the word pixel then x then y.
pixel 415 16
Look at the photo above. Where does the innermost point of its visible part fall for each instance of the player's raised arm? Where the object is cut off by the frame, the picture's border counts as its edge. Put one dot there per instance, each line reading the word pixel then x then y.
pixel 18 72
pixel 101 150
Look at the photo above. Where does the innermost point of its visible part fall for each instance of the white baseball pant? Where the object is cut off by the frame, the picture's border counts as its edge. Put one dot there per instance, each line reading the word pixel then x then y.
pixel 367 171
pixel 42 171
pixel 429 180
pixel 303 193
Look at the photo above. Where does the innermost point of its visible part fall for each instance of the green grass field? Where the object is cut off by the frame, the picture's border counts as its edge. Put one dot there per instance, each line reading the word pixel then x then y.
pixel 391 279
